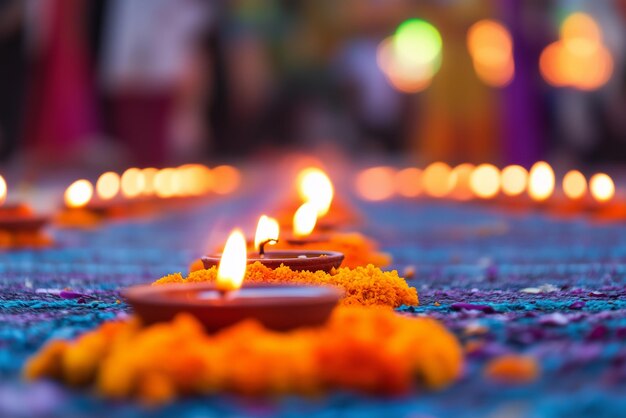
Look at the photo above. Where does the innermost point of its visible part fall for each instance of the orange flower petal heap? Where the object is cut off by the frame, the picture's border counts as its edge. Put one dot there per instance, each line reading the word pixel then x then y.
pixel 370 350
pixel 358 249
pixel 366 286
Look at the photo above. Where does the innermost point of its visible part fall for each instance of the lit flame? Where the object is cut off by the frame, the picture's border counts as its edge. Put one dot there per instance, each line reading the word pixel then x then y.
pixel 304 220
pixel 574 184
pixel 514 180
pixel 315 187
pixel 78 194
pixel 602 187
pixel 3 190
pixel 132 183
pixel 267 230
pixel 232 267
pixel 540 181
pixel 485 181
pixel 108 185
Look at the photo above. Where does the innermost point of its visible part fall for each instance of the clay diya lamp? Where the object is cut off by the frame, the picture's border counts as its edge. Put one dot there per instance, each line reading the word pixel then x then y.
pixel 267 233
pixel 19 224
pixel 219 305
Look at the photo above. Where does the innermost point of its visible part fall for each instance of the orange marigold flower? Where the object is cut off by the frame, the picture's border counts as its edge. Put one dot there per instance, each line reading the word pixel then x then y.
pixel 367 349
pixel 368 286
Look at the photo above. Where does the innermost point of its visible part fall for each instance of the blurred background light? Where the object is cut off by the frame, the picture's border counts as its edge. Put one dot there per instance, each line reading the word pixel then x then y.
pixel 491 48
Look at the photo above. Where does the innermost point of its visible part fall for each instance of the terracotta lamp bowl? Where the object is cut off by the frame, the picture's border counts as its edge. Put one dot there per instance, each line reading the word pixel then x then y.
pixel 277 307
pixel 296 260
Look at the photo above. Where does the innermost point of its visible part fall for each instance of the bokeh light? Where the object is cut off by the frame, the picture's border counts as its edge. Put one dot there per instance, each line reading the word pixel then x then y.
pixel 514 180
pixel 412 56
pixel 376 183
pixel 3 190
pixel 132 182
pixel 541 181
pixel 226 179
pixel 602 187
pixel 149 174
pixel 460 181
pixel 485 181
pixel 578 59
pixel 436 179
pixel 78 194
pixel 164 183
pixel 491 48
pixel 409 182
pixel 574 184
pixel 108 185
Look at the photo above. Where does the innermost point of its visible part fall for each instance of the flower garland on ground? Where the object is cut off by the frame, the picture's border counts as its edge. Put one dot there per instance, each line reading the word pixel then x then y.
pixel 369 350
pixel 367 286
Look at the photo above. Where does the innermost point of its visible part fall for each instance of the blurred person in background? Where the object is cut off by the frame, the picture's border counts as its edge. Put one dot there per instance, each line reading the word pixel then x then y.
pixel 152 76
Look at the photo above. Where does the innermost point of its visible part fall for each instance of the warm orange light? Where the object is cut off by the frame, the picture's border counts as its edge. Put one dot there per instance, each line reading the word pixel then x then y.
pixel 227 179
pixel 315 187
pixel 376 183
pixel 196 179
pixel 3 190
pixel 164 183
pixel 580 33
pixel 602 187
pixel 78 194
pixel 409 182
pixel 148 175
pixel 266 230
pixel 460 181
pixel 132 182
pixel 540 181
pixel 402 74
pixel 485 181
pixel 514 180
pixel 491 47
pixel 108 185
pixel 574 184
pixel 232 268
pixel 436 179
pixel 579 59
pixel 304 220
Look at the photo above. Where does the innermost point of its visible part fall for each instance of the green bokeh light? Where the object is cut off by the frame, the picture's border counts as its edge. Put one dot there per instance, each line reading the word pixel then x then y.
pixel 418 42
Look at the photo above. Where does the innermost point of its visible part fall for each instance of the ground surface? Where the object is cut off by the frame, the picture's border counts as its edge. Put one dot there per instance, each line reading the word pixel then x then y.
pixel 470 253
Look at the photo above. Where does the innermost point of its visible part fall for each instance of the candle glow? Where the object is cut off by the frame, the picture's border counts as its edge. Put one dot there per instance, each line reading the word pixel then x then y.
pixel 602 187
pixel 132 182
pixel 267 230
pixel 376 183
pixel 436 178
pixel 409 182
pixel 304 220
pixel 232 267
pixel 541 181
pixel 514 180
pixel 315 187
pixel 108 185
pixel 3 190
pixel 574 184
pixel 485 181
pixel 78 194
